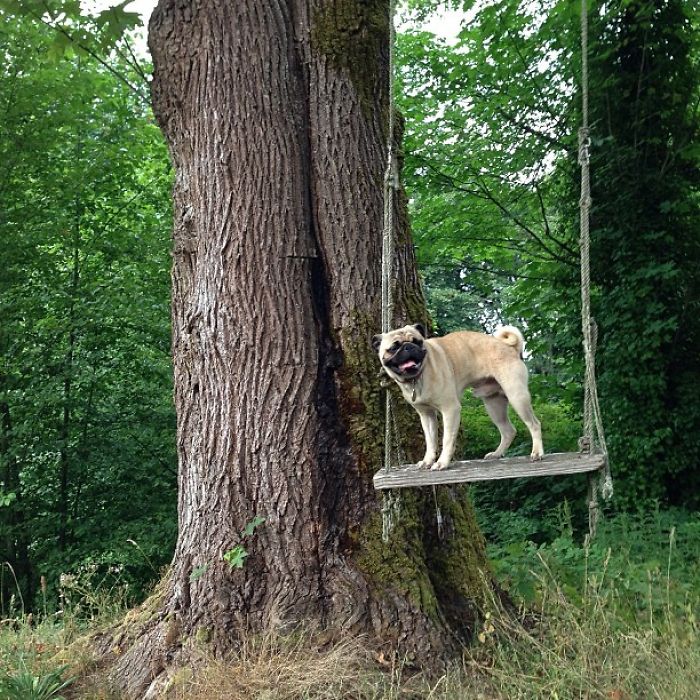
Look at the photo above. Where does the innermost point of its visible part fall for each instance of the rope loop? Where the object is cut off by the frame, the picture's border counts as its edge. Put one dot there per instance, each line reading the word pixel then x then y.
pixel 391 512
pixel 584 145
pixel 592 506
pixel 391 174
pixel 438 515
pixel 606 489
pixel 387 520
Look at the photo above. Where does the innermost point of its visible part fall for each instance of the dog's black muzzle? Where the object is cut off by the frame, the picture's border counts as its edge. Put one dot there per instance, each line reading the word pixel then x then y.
pixel 407 361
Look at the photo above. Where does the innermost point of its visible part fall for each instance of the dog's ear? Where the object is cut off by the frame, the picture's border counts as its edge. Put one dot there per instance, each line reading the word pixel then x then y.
pixel 421 329
pixel 377 341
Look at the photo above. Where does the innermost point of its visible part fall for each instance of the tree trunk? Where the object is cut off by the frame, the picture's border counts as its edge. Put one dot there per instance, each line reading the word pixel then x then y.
pixel 275 117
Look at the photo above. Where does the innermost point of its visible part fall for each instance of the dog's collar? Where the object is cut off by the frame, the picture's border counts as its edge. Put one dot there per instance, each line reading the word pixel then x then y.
pixel 413 380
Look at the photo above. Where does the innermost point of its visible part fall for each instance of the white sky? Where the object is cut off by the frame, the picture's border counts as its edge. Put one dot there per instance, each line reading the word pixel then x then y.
pixel 143 7
pixel 445 24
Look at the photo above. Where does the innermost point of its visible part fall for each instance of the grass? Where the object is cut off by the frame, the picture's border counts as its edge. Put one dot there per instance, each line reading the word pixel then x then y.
pixel 41 653
pixel 592 644
pixel 615 620
pixel 25 685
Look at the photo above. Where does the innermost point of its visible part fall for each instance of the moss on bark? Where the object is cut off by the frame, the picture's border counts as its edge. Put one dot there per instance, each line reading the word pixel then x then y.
pixel 400 563
pixel 352 34
pixel 360 393
pixel 459 570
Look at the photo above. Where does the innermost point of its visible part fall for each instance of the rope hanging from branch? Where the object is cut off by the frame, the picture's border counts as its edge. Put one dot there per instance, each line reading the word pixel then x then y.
pixel 390 186
pixel 594 436
pixel 391 183
pixel 391 504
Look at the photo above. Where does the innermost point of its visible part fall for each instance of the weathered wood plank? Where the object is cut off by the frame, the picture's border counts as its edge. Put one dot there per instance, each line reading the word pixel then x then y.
pixel 559 463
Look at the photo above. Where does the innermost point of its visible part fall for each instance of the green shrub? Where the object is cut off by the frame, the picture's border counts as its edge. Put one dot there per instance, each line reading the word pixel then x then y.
pixel 648 561
pixel 24 685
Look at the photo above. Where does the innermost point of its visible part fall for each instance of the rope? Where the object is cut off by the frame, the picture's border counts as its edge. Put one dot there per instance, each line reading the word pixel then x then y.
pixel 390 186
pixel 391 503
pixel 391 506
pixel 438 514
pixel 592 417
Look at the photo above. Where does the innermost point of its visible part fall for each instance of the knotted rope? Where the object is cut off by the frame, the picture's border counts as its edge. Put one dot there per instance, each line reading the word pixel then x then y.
pixel 391 503
pixel 593 433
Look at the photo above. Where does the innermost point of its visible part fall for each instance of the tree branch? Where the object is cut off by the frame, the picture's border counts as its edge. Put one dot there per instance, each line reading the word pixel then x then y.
pixel 485 193
pixel 547 228
pixel 62 30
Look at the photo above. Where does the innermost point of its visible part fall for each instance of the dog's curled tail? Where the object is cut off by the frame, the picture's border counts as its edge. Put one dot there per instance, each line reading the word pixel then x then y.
pixel 510 335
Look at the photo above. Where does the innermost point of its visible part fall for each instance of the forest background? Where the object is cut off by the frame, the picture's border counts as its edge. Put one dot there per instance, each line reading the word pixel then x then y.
pixel 88 472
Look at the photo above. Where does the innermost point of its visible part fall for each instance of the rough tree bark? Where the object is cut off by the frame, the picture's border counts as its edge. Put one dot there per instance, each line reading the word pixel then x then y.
pixel 275 116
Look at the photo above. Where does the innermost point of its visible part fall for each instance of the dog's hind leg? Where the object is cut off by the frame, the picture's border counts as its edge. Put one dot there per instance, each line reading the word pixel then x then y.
pixel 519 397
pixel 497 407
pixel 428 419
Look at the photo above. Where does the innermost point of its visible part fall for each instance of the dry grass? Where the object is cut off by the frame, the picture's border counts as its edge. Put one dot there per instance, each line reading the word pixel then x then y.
pixel 273 668
pixel 298 668
pixel 591 651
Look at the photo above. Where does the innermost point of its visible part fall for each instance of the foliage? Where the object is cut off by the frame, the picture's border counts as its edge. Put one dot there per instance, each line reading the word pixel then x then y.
pixel 477 171
pixel 647 561
pixel 646 244
pixel 86 429
pixel 236 556
pixel 39 649
pixel 26 686
pixel 102 36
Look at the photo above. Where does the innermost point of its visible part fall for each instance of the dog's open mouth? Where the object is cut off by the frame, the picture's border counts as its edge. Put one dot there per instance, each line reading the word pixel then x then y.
pixel 410 367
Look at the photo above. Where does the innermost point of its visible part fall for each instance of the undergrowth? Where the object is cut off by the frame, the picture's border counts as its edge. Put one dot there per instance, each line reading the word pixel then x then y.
pixel 616 619
pixel 40 653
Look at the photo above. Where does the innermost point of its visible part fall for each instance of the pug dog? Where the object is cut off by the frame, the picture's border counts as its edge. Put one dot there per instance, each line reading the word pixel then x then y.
pixel 433 373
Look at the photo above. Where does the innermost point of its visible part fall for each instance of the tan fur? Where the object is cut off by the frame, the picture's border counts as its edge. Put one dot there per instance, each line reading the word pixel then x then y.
pixel 490 364
pixel 511 336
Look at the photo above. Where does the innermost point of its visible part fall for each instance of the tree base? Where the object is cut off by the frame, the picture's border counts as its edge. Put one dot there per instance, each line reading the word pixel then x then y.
pixel 150 651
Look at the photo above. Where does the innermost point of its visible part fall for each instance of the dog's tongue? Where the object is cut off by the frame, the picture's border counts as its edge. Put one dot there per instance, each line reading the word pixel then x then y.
pixel 409 364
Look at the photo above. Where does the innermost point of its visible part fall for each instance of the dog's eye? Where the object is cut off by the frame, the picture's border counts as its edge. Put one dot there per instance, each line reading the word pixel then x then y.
pixel 395 346
pixel 417 341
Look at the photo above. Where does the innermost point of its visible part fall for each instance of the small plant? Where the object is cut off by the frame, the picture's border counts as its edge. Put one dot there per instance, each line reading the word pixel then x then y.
pixel 24 685
pixel 236 557
pixel 198 572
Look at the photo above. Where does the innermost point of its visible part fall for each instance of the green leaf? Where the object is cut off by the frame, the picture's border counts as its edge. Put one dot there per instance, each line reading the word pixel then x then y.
pixel 6 499
pixel 250 528
pixel 198 572
pixel 236 557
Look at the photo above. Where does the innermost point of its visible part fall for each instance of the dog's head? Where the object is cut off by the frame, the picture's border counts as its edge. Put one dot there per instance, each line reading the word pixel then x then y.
pixel 402 352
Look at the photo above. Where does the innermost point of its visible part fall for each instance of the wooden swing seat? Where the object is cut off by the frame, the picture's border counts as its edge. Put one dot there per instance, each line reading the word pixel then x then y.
pixel 408 475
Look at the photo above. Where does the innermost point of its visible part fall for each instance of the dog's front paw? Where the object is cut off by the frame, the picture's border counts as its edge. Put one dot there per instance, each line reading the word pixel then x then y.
pixel 440 465
pixel 493 455
pixel 536 456
pixel 426 462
